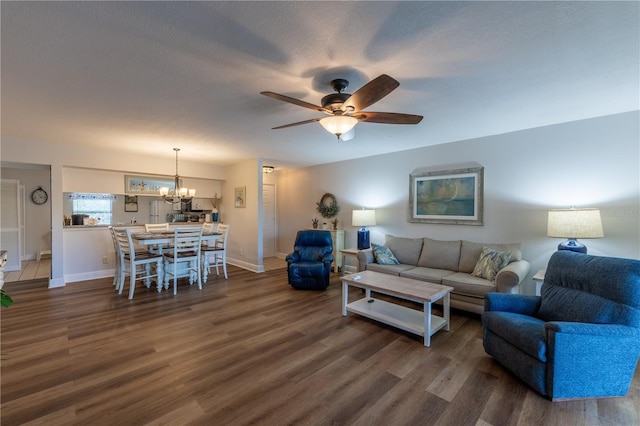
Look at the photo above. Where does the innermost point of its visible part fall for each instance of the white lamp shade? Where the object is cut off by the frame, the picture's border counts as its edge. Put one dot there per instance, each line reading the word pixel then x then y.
pixel 575 223
pixel 363 218
pixel 338 124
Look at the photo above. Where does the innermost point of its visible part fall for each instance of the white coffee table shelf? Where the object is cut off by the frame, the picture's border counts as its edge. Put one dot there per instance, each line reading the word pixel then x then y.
pixel 398 316
pixel 422 323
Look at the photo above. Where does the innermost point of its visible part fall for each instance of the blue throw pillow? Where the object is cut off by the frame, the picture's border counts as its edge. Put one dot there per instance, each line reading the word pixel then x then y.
pixel 383 255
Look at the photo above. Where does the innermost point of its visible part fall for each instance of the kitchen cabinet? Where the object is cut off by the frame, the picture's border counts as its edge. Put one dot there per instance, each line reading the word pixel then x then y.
pixel 201 204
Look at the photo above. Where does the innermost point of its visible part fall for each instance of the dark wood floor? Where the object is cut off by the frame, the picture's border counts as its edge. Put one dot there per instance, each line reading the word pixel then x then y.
pixel 251 350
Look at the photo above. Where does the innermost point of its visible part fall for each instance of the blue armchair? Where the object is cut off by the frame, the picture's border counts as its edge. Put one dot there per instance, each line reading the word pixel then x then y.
pixel 309 266
pixel 580 338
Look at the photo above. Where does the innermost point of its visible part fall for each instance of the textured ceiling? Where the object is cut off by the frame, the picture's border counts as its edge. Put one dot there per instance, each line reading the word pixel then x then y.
pixel 146 76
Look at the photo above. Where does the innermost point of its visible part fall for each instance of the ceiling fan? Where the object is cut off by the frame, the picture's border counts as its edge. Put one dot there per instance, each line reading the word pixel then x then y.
pixel 345 110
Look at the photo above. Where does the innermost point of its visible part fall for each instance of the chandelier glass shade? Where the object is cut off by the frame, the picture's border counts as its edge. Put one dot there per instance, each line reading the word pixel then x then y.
pixel 338 124
pixel 177 194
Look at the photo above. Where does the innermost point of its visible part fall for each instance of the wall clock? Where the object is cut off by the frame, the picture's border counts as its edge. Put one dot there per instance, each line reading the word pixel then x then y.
pixel 39 196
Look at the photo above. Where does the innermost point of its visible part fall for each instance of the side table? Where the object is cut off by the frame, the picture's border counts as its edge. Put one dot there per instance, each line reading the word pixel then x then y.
pixel 539 279
pixel 352 253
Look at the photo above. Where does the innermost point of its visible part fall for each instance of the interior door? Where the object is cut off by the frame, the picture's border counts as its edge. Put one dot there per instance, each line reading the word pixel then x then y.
pixel 10 234
pixel 268 220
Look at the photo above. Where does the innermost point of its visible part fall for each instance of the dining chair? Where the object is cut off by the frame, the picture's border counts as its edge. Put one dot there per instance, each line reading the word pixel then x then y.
pixel 156 227
pixel 209 227
pixel 116 250
pixel 218 250
pixel 133 259
pixel 186 249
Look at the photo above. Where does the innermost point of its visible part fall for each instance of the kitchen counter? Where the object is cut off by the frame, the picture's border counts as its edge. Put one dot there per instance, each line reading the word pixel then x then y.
pixel 126 225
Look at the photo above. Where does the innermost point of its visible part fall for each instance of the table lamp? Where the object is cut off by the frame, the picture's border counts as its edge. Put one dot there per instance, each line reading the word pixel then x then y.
pixel 574 224
pixel 363 218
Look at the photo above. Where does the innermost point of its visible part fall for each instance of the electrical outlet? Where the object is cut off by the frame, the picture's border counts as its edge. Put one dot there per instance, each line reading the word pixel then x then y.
pixel 105 260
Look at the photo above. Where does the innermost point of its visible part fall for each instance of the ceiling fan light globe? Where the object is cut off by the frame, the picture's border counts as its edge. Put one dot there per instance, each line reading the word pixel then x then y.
pixel 338 124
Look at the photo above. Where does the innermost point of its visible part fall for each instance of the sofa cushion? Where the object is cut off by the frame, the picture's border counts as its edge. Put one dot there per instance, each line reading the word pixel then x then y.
pixel 490 262
pixel 468 284
pixel 427 274
pixel 470 253
pixel 406 250
pixel 389 269
pixel 383 255
pixel 440 254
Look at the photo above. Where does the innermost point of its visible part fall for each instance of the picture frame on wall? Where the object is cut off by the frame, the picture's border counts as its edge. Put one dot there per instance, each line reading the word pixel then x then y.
pixel 451 196
pixel 130 203
pixel 240 196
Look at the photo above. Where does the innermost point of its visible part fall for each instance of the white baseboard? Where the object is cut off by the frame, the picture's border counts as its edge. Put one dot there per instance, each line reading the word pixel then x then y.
pixel 85 276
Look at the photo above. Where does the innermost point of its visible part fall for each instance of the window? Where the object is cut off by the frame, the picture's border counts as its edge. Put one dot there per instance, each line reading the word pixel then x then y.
pixel 97 206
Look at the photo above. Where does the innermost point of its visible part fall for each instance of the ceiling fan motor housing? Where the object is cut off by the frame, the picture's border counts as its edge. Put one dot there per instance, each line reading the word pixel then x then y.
pixel 334 101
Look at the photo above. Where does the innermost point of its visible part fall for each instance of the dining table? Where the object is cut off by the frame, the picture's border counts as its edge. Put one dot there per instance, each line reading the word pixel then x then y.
pixel 159 240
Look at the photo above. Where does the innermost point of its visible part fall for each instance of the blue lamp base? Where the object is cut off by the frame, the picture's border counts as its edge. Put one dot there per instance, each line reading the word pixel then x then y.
pixel 363 238
pixel 573 245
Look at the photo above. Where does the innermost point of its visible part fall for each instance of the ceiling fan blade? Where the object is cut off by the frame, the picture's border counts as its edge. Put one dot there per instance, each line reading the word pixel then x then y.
pixel 371 93
pixel 295 101
pixel 313 120
pixel 388 117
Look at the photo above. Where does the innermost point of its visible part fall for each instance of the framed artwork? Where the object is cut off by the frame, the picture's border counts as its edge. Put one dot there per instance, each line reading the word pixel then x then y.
pixel 147 185
pixel 452 197
pixel 240 196
pixel 130 203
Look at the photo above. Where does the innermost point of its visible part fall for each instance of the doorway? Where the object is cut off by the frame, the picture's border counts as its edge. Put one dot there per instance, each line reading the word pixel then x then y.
pixel 10 223
pixel 268 220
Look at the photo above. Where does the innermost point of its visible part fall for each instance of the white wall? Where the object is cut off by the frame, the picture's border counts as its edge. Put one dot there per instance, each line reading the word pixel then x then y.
pixel 589 163
pixel 244 241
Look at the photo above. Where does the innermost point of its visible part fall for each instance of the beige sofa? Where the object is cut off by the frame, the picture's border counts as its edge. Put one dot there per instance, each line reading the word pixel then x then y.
pixel 450 263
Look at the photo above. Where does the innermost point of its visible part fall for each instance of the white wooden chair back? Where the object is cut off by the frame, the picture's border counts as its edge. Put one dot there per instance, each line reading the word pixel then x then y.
pixel 156 227
pixel 209 227
pixel 186 249
pixel 221 242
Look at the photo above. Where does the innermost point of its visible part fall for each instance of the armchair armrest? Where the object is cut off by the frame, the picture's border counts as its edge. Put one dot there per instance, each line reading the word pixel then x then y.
pixel 364 257
pixel 609 330
pixel 590 360
pixel 327 258
pixel 509 277
pixel 516 303
pixel 293 257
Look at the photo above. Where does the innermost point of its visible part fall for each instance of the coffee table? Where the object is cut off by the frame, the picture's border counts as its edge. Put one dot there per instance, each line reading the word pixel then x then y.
pixel 422 323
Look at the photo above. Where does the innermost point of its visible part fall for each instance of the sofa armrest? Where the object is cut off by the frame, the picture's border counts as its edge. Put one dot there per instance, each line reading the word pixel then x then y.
pixel 516 303
pixel 364 257
pixel 509 277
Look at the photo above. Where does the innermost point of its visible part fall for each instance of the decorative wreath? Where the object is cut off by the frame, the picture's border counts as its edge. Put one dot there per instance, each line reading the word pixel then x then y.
pixel 328 206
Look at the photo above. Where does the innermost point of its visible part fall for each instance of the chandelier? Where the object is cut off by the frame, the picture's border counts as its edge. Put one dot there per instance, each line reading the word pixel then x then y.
pixel 178 195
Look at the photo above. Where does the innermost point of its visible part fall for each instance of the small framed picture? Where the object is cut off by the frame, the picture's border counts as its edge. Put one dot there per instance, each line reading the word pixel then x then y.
pixel 240 196
pixel 130 203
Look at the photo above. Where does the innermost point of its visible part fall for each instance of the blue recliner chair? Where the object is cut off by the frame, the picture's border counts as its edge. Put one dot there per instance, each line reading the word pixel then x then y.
pixel 309 266
pixel 580 338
